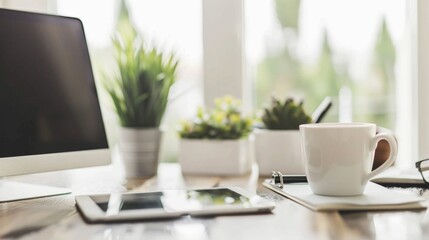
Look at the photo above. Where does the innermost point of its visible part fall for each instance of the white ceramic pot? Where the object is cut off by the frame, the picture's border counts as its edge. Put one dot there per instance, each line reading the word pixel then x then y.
pixel 278 150
pixel 215 157
pixel 139 150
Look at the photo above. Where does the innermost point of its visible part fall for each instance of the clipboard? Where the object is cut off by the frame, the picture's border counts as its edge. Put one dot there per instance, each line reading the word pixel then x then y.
pixel 375 197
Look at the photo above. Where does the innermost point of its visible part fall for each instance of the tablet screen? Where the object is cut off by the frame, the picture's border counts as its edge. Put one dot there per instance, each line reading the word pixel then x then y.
pixel 171 200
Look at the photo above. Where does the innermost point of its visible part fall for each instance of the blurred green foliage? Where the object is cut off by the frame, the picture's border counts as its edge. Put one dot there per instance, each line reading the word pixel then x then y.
pixel 283 73
pixel 288 13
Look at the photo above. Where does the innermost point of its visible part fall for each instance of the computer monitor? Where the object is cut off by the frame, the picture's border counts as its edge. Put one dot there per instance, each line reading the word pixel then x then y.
pixel 50 117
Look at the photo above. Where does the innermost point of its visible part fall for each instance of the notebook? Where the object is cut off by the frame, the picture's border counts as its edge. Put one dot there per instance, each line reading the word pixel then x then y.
pixel 375 197
pixel 396 176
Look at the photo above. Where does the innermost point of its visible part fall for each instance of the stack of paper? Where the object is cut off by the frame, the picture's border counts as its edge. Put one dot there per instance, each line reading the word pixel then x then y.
pixel 375 197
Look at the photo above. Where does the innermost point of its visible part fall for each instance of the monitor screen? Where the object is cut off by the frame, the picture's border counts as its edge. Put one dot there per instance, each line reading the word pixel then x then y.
pixel 48 99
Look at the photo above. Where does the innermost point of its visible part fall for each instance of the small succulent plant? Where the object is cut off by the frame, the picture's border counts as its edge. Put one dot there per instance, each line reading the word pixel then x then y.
pixel 222 122
pixel 286 115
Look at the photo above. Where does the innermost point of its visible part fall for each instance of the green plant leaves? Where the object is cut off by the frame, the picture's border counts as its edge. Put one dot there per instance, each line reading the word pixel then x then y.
pixel 285 116
pixel 222 122
pixel 140 89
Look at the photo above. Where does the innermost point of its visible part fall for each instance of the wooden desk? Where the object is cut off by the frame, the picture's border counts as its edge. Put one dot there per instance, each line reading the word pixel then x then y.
pixel 57 217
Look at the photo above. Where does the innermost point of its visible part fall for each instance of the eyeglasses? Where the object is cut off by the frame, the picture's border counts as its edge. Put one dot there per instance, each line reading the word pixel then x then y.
pixel 423 166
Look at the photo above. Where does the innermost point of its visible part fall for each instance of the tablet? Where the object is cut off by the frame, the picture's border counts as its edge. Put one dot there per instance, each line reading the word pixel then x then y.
pixel 170 204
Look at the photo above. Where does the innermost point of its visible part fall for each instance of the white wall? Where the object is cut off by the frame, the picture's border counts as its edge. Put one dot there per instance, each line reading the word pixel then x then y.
pixel 423 77
pixel 27 5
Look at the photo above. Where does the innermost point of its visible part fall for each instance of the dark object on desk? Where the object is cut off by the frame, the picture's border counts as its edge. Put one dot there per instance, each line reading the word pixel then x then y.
pixel 423 167
pixel 402 185
pixel 50 113
pixel 279 179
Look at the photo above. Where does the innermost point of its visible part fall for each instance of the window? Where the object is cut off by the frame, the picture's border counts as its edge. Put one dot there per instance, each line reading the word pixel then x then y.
pixel 364 54
pixel 355 52
pixel 174 28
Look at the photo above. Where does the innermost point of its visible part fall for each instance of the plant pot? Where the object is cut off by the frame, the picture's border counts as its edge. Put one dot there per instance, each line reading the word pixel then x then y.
pixel 278 150
pixel 139 150
pixel 215 157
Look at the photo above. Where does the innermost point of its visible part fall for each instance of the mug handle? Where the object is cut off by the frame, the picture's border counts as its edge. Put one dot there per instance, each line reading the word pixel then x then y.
pixel 392 156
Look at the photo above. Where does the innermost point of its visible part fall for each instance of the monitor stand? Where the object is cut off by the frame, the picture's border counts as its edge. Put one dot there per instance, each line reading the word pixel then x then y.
pixel 13 191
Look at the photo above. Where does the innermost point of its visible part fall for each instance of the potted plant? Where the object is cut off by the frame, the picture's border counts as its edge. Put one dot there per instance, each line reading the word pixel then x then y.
pixel 216 142
pixel 277 144
pixel 139 92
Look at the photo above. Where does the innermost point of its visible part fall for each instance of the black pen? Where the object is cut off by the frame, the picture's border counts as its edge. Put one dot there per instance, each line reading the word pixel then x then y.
pixel 279 178
pixel 322 109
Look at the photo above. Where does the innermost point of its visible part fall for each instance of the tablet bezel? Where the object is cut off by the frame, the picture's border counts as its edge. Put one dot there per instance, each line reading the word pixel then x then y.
pixel 93 213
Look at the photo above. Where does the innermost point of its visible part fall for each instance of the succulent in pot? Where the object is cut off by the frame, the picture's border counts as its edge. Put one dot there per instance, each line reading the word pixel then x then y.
pixel 277 145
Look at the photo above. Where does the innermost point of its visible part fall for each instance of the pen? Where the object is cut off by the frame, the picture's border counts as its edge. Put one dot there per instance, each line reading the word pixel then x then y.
pixel 322 109
pixel 281 179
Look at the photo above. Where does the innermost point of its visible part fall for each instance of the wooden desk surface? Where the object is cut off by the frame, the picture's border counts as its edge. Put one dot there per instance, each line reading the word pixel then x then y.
pixel 57 217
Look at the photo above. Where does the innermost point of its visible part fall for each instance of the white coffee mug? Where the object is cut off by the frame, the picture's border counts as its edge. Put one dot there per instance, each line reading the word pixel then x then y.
pixel 338 157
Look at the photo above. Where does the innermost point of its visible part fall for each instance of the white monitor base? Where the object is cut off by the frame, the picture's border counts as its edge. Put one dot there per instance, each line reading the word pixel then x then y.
pixel 13 191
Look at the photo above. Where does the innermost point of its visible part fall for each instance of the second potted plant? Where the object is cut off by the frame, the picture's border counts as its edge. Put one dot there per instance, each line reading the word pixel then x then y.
pixel 277 145
pixel 216 142
pixel 139 92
